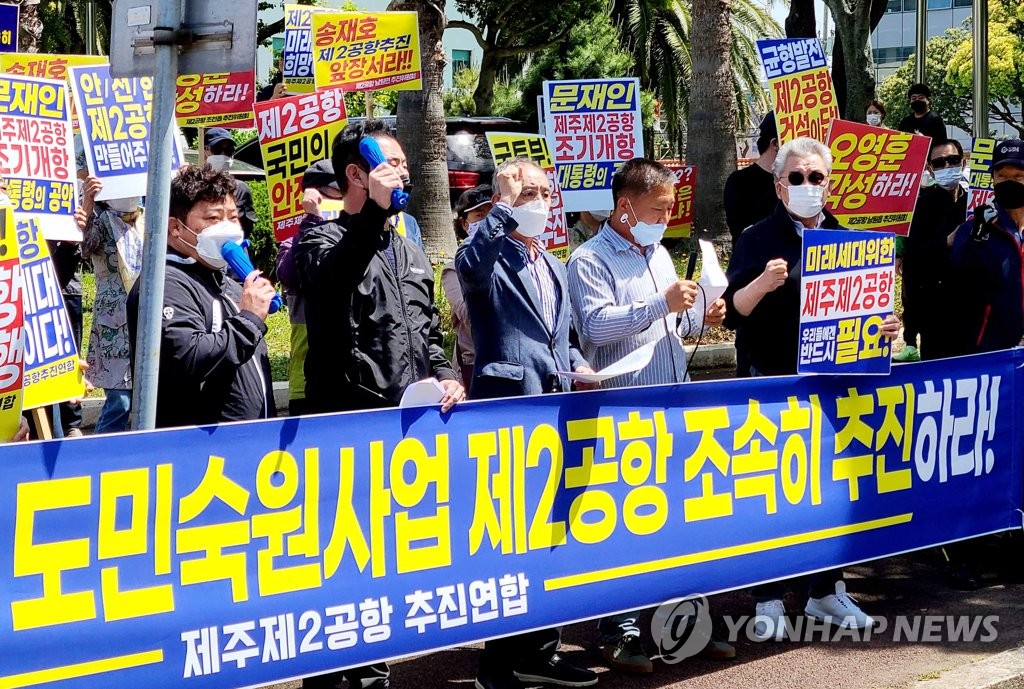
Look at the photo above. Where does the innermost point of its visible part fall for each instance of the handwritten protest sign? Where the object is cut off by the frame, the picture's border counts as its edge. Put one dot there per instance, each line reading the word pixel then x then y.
pixel 592 126
pixel 357 51
pixel 981 173
pixel 12 320
pixel 803 95
pixel 681 222
pixel 37 155
pixel 535 147
pixel 295 132
pixel 298 48
pixel 9 27
pixel 114 116
pixel 876 176
pixel 846 292
pixel 215 100
pixel 51 356
pixel 48 67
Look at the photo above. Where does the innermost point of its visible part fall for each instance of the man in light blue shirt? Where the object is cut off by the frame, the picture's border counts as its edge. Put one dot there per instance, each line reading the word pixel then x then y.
pixel 626 294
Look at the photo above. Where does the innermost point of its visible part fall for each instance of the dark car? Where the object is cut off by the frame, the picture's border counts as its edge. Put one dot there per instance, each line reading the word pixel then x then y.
pixel 469 157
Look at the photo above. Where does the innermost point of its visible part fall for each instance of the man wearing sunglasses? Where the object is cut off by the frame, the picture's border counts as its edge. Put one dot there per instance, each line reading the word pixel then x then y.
pixel 763 303
pixel 939 211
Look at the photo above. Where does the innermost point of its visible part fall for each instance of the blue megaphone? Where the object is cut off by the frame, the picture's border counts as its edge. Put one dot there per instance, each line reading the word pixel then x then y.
pixel 370 150
pixel 236 256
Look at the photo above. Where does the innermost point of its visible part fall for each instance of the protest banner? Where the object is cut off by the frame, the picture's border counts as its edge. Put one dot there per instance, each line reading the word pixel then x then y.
pixel 48 67
pixel 847 287
pixel 358 51
pixel 876 176
pixel 37 154
pixel 51 371
pixel 297 70
pixel 114 116
pixel 982 192
pixel 216 100
pixel 243 554
pixel 593 126
pixel 681 223
pixel 12 320
pixel 9 28
pixel 803 95
pixel 294 133
pixel 535 147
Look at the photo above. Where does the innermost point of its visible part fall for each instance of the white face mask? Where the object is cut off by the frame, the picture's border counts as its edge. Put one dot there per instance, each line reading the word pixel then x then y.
pixel 220 163
pixel 806 200
pixel 874 119
pixel 210 241
pixel 948 177
pixel 601 215
pixel 472 227
pixel 532 218
pixel 125 205
pixel 644 233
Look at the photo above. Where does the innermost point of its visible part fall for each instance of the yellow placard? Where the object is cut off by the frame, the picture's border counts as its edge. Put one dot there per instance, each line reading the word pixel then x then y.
pixel 11 322
pixel 359 51
pixel 49 67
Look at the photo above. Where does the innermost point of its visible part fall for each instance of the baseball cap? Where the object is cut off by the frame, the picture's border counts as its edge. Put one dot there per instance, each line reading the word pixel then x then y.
pixel 1008 152
pixel 319 175
pixel 217 135
pixel 472 199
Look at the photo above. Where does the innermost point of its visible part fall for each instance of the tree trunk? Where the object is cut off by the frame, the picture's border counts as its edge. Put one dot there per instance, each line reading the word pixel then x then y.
pixel 711 130
pixel 421 130
pixel 483 97
pixel 801 22
pixel 853 30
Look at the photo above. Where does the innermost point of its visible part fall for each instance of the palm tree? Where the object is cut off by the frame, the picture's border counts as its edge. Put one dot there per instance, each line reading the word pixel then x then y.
pixel 659 34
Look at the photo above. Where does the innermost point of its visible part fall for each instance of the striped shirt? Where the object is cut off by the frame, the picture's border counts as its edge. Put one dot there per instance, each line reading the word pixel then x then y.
pixel 543 280
pixel 618 304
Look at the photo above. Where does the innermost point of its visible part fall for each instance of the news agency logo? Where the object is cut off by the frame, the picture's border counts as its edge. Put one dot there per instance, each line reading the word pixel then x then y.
pixel 681 628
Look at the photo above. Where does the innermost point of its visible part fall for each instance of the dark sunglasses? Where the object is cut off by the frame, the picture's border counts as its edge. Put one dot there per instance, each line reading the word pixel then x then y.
pixel 796 178
pixel 946 161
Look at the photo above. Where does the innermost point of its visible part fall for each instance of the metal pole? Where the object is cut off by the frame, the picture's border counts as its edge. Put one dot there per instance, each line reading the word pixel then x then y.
pixel 90 27
pixel 979 15
pixel 922 40
pixel 154 255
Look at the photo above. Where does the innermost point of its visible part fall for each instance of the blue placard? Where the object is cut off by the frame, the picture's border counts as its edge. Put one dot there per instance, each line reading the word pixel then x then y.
pixel 784 56
pixel 243 554
pixel 847 288
pixel 9 28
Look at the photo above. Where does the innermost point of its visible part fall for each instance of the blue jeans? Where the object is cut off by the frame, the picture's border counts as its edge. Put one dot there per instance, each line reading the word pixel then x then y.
pixel 114 416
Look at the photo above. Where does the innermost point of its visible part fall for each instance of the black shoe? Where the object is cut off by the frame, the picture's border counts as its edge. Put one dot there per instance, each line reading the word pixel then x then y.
pixel 555 670
pixel 503 680
pixel 627 655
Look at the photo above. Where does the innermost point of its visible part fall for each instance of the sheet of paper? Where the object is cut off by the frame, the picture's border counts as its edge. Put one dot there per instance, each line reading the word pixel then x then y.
pixel 635 361
pixel 712 278
pixel 423 393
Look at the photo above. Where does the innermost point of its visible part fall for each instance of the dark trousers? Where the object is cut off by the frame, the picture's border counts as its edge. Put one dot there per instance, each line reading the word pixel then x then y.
pixel 503 656
pixel 366 677
pixel 71 414
pixel 911 311
pixel 818 585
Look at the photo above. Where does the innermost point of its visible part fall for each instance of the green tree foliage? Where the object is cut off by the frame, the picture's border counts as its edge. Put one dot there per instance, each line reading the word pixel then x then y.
pixel 262 247
pixel 458 100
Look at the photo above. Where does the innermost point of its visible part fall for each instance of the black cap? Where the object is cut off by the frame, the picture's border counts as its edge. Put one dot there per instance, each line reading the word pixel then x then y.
pixel 1009 152
pixel 768 128
pixel 319 175
pixel 472 199
pixel 217 135
pixel 920 90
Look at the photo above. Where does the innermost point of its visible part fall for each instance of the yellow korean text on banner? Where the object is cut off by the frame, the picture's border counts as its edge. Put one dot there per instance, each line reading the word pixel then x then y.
pixel 11 324
pixel 47 67
pixel 680 224
pixel 803 95
pixel 981 173
pixel 51 371
pixel 535 147
pixel 294 133
pixel 215 100
pixel 359 51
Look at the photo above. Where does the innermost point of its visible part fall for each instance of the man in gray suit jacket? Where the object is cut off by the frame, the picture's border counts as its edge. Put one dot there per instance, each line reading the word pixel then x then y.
pixel 517 297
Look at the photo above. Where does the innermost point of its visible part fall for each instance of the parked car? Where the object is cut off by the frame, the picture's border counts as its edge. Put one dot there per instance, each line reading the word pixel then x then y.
pixel 469 157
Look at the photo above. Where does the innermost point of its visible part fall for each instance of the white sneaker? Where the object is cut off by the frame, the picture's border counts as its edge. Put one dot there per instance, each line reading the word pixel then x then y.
pixel 770 621
pixel 839 609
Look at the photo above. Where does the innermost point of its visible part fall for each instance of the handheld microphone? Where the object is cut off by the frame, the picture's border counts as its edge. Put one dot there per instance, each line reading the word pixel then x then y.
pixel 370 150
pixel 242 267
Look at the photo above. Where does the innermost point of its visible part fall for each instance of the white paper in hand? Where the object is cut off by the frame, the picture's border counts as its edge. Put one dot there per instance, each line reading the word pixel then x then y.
pixel 712 279
pixel 423 393
pixel 635 361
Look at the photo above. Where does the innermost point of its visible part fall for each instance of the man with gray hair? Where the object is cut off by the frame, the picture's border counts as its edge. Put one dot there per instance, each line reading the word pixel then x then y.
pixel 763 303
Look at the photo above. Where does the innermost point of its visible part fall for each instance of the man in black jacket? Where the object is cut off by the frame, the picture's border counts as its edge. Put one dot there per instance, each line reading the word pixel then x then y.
pixel 213 358
pixel 370 316
pixel 923 120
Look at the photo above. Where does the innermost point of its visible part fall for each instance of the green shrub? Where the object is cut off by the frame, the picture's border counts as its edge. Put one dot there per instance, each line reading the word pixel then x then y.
pixel 262 247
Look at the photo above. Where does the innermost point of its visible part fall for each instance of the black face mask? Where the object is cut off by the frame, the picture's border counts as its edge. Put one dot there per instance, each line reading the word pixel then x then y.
pixel 1010 194
pixel 919 106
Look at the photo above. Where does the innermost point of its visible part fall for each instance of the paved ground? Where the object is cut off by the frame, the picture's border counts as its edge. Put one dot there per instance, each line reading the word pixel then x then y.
pixel 909 585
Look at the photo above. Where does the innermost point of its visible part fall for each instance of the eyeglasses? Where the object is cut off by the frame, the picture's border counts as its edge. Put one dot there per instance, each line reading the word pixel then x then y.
pixel 946 161
pixel 796 178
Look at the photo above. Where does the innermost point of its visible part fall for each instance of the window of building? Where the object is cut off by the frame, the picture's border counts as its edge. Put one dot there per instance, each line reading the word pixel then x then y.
pixel 894 6
pixel 461 59
pixel 940 4
pixel 962 3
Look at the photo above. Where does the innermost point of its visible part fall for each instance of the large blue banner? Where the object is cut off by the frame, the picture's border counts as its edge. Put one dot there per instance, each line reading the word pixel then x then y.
pixel 248 553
